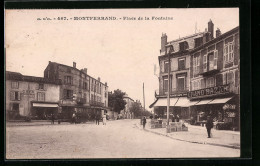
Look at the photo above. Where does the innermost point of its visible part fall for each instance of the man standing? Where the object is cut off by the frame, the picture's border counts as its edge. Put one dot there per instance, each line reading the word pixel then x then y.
pixel 209 125
pixel 144 122
pixel 97 118
pixel 52 118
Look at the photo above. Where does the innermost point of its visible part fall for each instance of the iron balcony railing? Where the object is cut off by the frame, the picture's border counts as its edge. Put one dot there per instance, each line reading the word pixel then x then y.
pixel 173 91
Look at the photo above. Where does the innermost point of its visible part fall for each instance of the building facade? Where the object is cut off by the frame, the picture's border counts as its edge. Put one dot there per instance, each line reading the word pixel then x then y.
pixel 79 92
pixel 204 76
pixel 126 113
pixel 28 96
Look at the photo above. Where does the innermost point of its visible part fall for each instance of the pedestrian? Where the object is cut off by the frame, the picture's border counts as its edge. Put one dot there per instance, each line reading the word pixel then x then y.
pixel 177 118
pixel 173 118
pixel 97 119
pixel 209 125
pixel 52 118
pixel 144 122
pixel 74 118
pixel 104 119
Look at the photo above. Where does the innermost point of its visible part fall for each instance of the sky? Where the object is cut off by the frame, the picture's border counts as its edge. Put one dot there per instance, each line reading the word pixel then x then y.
pixel 121 52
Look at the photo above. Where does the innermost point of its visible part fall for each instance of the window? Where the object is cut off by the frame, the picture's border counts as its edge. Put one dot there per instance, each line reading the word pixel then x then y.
pixel 166 66
pixel 68 80
pixel 184 45
pixel 68 70
pixel 68 94
pixel 196 64
pixel 196 84
pixel 215 59
pixel 14 85
pixel 105 94
pixel 230 77
pixel 198 41
pixel 85 85
pixel 229 52
pixel 211 61
pixel 181 64
pixel 224 78
pixel 210 82
pixel 41 96
pixel 181 83
pixel 14 95
pixel 165 83
pixel 41 86
pixel 205 61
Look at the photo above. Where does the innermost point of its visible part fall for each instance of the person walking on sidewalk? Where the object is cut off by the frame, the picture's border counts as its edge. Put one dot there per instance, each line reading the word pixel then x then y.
pixel 97 118
pixel 209 125
pixel 104 119
pixel 144 122
pixel 52 118
pixel 74 118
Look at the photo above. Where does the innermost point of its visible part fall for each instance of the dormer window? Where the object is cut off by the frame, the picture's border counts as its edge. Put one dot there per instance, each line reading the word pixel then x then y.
pixel 198 41
pixel 184 45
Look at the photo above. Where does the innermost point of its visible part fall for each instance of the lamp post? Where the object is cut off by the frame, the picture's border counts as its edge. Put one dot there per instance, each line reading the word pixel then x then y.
pixel 168 51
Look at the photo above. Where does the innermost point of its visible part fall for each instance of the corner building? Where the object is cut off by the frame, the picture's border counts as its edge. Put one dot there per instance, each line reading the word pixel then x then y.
pixel 80 92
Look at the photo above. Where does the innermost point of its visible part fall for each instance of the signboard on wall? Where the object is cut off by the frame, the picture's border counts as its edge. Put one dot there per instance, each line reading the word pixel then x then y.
pixel 212 91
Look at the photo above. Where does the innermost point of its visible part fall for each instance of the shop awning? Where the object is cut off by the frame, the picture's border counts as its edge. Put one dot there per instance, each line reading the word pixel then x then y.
pixel 163 102
pixel 202 102
pixel 184 102
pixel 44 105
pixel 220 101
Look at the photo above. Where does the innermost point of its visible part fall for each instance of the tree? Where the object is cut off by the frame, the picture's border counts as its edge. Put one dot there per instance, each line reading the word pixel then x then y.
pixel 116 100
pixel 135 108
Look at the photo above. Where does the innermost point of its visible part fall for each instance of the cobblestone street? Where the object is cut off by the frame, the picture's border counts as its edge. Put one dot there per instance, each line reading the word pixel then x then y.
pixel 118 139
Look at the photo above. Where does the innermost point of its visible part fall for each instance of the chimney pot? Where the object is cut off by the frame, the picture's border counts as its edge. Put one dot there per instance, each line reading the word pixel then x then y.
pixel 74 64
pixel 218 32
pixel 99 79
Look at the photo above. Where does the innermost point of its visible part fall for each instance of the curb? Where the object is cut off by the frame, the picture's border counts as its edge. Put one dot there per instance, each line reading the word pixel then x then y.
pixel 22 125
pixel 205 143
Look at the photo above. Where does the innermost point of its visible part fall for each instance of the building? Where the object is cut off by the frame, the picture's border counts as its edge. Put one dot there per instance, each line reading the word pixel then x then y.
pixel 204 76
pixel 215 78
pixel 28 96
pixel 80 92
pixel 126 112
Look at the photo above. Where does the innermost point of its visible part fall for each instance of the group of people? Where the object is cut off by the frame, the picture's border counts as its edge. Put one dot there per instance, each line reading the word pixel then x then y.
pixel 104 119
pixel 175 118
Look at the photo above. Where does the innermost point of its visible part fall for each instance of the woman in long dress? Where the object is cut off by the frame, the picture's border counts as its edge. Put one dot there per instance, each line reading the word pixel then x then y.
pixel 104 119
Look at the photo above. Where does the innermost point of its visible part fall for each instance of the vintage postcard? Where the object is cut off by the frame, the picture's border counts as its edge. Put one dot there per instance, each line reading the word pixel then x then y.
pixel 122 83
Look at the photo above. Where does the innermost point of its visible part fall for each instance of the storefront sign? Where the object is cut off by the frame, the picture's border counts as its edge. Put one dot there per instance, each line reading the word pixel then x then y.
pixel 179 95
pixel 229 106
pixel 212 91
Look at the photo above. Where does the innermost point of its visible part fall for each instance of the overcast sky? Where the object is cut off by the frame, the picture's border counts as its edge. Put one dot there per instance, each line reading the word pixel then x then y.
pixel 120 52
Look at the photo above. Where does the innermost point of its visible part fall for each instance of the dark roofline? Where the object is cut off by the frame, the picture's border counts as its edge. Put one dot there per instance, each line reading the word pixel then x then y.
pixel 186 37
pixel 77 70
pixel 26 78
pixel 216 39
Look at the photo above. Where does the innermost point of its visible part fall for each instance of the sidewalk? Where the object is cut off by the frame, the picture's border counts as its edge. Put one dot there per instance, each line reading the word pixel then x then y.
pixel 38 123
pixel 198 134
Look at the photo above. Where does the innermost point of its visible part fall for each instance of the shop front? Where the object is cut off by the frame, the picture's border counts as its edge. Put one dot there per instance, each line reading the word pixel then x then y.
pixel 44 110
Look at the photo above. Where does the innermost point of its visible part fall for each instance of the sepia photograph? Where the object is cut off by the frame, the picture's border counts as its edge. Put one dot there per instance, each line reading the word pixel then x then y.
pixel 122 83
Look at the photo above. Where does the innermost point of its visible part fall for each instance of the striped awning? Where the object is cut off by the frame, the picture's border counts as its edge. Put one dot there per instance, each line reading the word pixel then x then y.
pixel 220 100
pixel 45 105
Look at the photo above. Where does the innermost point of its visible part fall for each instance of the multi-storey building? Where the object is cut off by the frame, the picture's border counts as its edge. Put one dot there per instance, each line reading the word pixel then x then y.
pixel 28 96
pixel 204 75
pixel 126 112
pixel 80 92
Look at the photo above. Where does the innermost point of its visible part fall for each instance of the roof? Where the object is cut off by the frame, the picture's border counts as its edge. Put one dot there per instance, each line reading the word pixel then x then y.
pixel 77 70
pixel 19 77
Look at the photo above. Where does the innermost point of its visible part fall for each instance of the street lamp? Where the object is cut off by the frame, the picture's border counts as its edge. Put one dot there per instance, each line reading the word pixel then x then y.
pixel 169 50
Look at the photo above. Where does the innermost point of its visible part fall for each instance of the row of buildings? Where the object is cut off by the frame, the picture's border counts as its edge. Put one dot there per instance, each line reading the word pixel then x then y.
pixel 204 76
pixel 63 89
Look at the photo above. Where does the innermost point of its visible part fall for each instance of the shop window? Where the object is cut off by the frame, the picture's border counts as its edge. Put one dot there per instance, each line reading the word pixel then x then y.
pixel 229 52
pixel 210 82
pixel 41 96
pixel 14 85
pixel 14 95
pixel 181 63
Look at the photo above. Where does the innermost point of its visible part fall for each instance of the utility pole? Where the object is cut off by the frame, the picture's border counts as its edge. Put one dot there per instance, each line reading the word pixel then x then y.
pixel 143 97
pixel 168 95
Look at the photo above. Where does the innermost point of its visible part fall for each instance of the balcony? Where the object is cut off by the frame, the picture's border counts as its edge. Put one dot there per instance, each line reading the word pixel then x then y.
pixel 96 103
pixel 173 92
pixel 209 72
pixel 81 100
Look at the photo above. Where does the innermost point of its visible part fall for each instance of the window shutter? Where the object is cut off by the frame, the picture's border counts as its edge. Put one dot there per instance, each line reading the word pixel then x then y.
pixel 45 87
pixel 37 86
pixel 236 78
pixel 19 95
pixel 219 79
pixel 65 80
pixel 11 106
pixel 215 59
pixel 12 95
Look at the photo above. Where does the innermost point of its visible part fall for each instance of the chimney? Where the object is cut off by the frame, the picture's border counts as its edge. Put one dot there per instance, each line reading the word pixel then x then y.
pixel 211 29
pixel 98 79
pixel 105 83
pixel 74 64
pixel 218 32
pixel 163 42
pixel 85 70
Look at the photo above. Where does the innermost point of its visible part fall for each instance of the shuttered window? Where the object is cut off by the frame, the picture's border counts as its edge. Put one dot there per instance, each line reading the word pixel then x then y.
pixel 14 85
pixel 205 63
pixel 14 95
pixel 41 96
